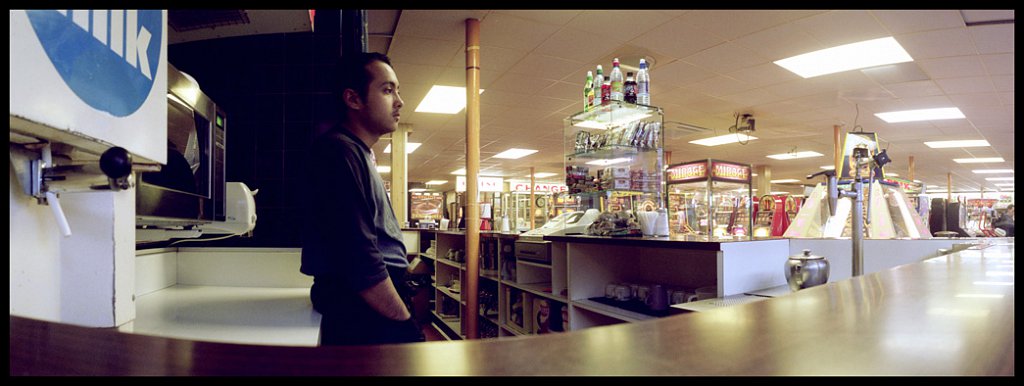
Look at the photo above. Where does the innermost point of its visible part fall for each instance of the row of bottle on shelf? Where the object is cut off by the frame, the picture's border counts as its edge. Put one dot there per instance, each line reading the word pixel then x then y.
pixel 598 91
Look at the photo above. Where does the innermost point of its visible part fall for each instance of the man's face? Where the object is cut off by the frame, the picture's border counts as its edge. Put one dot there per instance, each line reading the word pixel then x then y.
pixel 381 110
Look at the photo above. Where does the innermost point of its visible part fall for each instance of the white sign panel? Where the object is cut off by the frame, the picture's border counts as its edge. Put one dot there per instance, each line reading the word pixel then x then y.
pixel 98 75
pixel 538 188
pixel 485 184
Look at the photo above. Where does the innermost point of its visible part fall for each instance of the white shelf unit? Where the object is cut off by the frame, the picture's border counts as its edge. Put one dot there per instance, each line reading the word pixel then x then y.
pixel 593 266
pixel 449 306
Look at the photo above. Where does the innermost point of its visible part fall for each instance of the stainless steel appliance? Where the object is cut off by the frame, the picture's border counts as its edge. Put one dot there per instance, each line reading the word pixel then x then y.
pixel 806 270
pixel 190 189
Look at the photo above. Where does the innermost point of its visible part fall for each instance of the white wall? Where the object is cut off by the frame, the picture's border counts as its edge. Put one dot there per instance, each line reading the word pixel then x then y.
pixel 35 257
pixel 86 279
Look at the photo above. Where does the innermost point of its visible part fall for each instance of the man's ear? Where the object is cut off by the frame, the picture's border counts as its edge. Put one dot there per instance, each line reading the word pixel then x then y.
pixel 351 99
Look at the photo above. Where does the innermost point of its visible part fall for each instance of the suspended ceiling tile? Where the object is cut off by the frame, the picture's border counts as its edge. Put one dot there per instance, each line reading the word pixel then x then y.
pixel 836 28
pixel 677 39
pixel 938 43
pixel 910 21
pixel 953 67
pixel 998 64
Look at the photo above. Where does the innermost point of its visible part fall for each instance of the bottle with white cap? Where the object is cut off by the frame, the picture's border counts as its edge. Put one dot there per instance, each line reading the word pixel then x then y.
pixel 598 81
pixel 643 83
pixel 616 80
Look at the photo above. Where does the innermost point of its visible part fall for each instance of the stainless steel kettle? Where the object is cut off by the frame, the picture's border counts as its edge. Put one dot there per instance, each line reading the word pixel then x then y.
pixel 806 270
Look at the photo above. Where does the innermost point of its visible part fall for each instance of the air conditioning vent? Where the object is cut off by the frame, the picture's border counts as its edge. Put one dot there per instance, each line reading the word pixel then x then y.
pixel 189 20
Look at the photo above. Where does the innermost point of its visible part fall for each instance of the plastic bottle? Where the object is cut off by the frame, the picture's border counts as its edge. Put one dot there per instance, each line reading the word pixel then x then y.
pixel 606 91
pixel 588 92
pixel 629 88
pixel 616 79
pixel 643 85
pixel 598 84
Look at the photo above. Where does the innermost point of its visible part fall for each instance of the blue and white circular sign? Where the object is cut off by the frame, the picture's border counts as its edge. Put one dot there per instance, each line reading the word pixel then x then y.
pixel 108 58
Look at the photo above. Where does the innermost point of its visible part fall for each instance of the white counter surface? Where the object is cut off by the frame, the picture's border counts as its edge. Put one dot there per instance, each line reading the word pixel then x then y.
pixel 247 315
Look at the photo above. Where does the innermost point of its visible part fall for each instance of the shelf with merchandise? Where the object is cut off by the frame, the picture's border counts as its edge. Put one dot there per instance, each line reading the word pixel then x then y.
pixel 614 157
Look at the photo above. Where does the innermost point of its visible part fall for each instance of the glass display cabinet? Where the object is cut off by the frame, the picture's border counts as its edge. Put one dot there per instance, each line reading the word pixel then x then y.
pixel 613 160
pixel 709 200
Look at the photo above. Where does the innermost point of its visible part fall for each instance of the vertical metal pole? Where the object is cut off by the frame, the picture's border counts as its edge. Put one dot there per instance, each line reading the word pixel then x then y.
pixel 837 149
pixel 858 224
pixel 910 171
pixel 472 176
pixel 949 187
pixel 533 200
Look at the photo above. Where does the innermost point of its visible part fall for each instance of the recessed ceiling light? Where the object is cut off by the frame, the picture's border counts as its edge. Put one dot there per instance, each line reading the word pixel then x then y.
pixel 514 153
pixel 409 147
pixel 444 100
pixel 978 160
pixel 795 155
pixel 961 143
pixel 921 115
pixel 460 172
pixel 853 56
pixel 542 175
pixel 723 139
pixel 999 179
pixel 992 171
pixel 436 182
pixel 383 169
pixel 784 181
pixel 603 162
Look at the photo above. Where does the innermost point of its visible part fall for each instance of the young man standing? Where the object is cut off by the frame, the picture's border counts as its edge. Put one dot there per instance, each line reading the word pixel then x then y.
pixel 352 244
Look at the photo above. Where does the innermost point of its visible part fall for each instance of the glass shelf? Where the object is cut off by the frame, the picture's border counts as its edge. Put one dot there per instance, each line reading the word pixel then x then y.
pixel 611 152
pixel 612 114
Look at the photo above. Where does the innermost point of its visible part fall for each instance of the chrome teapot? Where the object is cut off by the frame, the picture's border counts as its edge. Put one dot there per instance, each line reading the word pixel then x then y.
pixel 806 270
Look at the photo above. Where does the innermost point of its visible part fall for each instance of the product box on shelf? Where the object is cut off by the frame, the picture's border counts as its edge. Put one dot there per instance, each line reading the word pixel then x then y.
pixel 519 305
pixel 548 316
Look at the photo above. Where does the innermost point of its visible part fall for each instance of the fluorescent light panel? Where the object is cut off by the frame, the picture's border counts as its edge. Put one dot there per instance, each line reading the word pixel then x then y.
pixel 963 143
pixel 999 179
pixel 444 100
pixel 414 190
pixel 723 139
pixel 892 174
pixel 992 171
pixel 799 154
pixel 921 115
pixel 460 172
pixel 436 182
pixel 853 56
pixel 383 169
pixel 542 175
pixel 827 167
pixel 1004 184
pixel 784 181
pixel 978 160
pixel 409 147
pixel 514 153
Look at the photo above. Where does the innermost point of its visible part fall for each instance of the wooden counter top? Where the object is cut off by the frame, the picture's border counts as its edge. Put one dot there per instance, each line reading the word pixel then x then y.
pixel 951 315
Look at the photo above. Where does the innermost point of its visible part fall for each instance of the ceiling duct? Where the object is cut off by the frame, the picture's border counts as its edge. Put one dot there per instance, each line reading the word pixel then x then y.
pixel 189 20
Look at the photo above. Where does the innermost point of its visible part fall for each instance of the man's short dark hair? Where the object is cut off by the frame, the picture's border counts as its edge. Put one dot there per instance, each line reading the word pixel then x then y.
pixel 353 73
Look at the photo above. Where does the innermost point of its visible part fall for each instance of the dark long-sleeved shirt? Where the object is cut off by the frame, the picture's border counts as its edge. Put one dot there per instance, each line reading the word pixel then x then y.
pixel 350 232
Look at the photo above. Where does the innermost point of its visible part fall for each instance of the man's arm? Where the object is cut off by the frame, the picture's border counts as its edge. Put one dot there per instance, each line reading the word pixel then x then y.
pixel 383 298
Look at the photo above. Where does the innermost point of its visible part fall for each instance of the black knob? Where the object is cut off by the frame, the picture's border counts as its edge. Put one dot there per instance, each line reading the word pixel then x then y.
pixel 116 162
